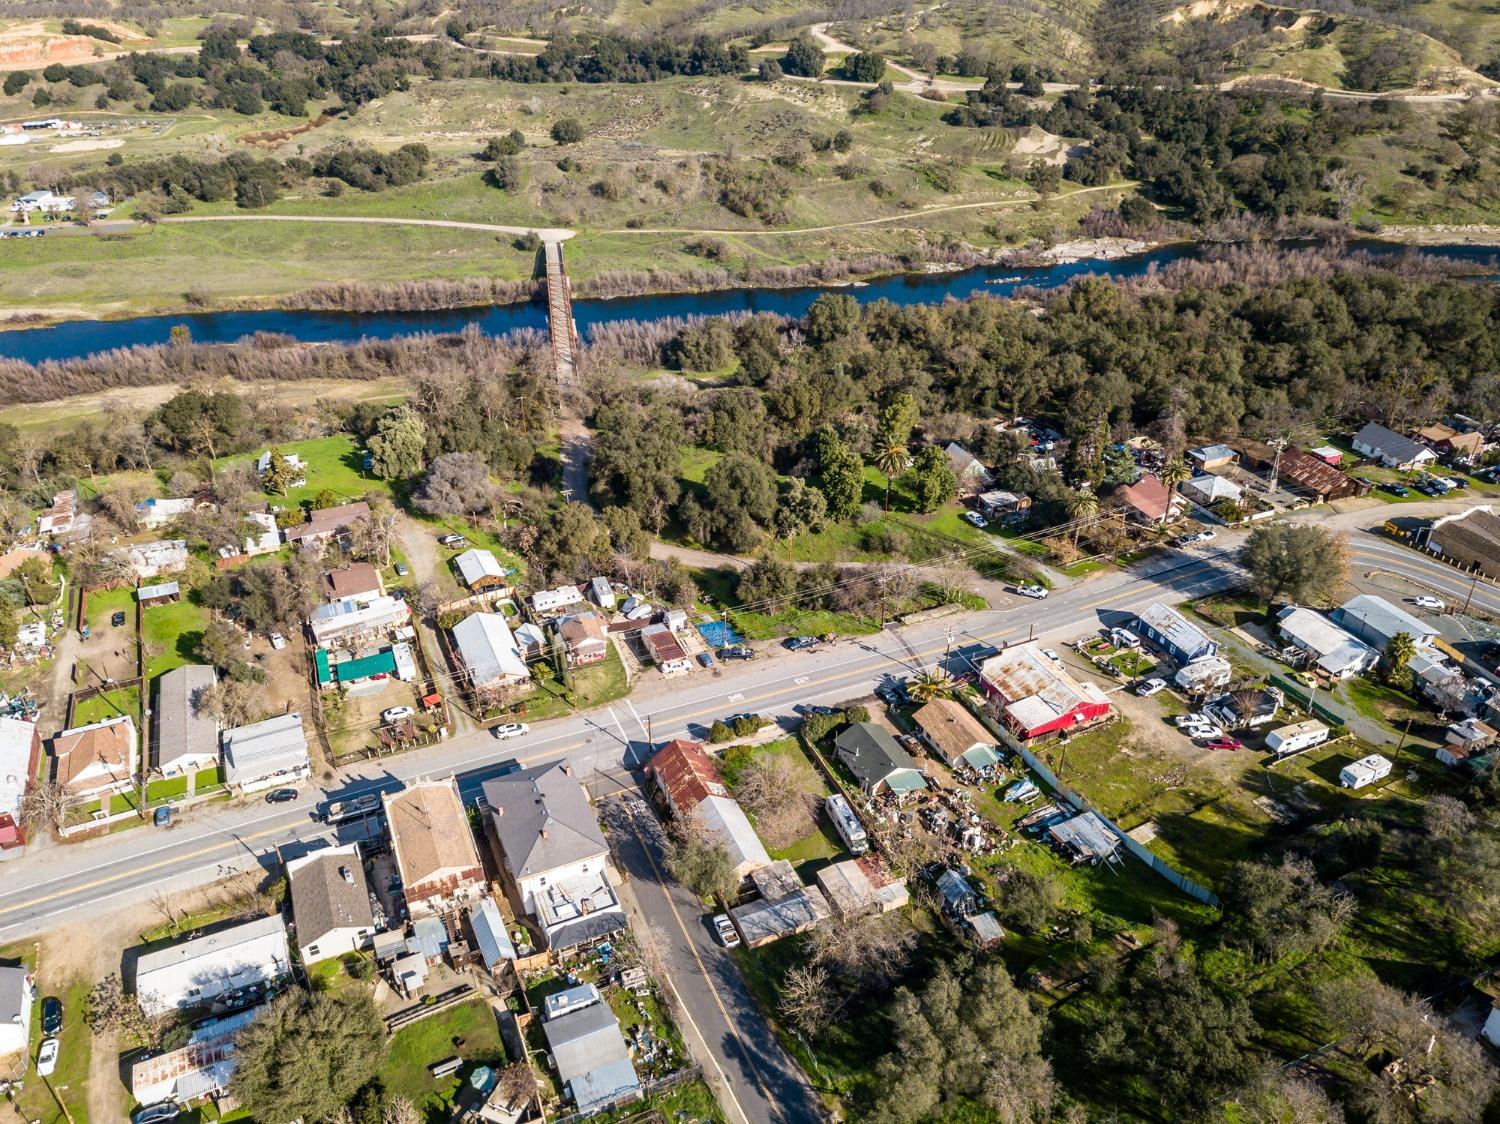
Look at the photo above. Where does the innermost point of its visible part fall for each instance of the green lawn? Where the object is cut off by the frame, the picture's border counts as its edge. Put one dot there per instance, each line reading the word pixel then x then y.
pixel 105 603
pixel 173 633
pixel 109 704
pixel 334 463
pixel 593 686
pixel 167 788
pixel 414 1048
pixel 70 1080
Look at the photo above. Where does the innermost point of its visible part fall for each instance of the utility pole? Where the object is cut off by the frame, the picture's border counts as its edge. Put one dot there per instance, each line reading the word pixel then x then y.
pixel 1472 587
pixel 1279 444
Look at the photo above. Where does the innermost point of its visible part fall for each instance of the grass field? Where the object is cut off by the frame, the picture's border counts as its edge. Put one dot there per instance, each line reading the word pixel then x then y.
pixel 414 1048
pixel 333 463
pixel 109 704
pixel 173 633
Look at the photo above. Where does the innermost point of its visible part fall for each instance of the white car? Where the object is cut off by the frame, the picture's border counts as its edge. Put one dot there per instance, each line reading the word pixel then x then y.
pixel 1051 654
pixel 974 519
pixel 1204 733
pixel 1196 718
pixel 1033 590
pixel 278 641
pixel 725 928
pixel 1425 602
pixel 396 713
pixel 1204 536
pixel 46 1057
pixel 512 730
pixel 1150 687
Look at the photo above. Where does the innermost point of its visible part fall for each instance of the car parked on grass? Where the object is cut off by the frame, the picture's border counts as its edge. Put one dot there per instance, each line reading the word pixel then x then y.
pixel 725 930
pixel 511 730
pixel 1034 590
pixel 1455 481
pixel 118 618
pixel 1151 687
pixel 453 541
pixel 396 713
pixel 402 570
pixel 1432 604
pixel 46 1057
pixel 1395 489
pixel 52 1016
pixel 282 795
pixel 974 519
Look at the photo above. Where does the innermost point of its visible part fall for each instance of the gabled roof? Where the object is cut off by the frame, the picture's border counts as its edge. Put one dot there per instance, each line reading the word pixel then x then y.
pixel 184 728
pixel 687 774
pixel 429 830
pixel 874 756
pixel 476 565
pixel 543 819
pixel 489 650
pixel 109 745
pixel 1148 495
pixel 582 627
pixel 1035 689
pixel 323 898
pixel 326 521
pixel 950 728
pixel 1390 443
pixel 1376 620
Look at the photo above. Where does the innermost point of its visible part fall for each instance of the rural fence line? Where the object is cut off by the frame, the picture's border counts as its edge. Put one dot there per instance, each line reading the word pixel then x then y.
pixel 1081 804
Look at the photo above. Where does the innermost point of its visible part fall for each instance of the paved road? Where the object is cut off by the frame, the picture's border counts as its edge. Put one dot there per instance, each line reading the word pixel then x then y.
pixel 53 884
pixel 756 1080
pixel 1370 553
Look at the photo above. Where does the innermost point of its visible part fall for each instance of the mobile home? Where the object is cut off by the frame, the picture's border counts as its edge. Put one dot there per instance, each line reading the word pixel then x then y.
pixel 850 830
pixel 1287 740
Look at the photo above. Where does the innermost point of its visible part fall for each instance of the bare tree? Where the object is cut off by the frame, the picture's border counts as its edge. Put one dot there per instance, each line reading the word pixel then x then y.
pixel 402 1111
pixel 374 537
pixel 775 790
pixel 47 804
pixel 807 999
pixel 518 1083
pixel 111 1011
pixel 866 953
pixel 235 703
pixel 169 912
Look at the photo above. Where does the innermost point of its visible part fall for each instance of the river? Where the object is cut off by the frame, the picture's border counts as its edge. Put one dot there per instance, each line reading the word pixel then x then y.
pixel 78 338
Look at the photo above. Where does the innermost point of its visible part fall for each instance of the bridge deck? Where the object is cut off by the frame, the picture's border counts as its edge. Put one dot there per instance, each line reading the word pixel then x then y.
pixel 560 317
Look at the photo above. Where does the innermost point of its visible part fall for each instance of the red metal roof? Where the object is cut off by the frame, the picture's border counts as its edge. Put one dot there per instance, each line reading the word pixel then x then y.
pixel 687 775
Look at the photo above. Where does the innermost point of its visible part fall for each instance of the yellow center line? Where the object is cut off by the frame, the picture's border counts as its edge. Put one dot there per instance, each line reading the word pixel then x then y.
pixel 661 880
pixel 811 684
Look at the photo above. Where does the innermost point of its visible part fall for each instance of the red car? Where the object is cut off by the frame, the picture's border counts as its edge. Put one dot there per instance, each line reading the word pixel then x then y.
pixel 1225 743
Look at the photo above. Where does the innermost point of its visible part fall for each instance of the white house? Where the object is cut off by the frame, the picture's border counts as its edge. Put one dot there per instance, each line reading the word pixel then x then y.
pixel 489 652
pixel 294 462
pixel 97 758
pixel 356 618
pixel 1390 448
pixel 330 903
pixel 1375 620
pixel 1202 675
pixel 263 536
pixel 265 754
pixel 603 593
pixel 556 600
pixel 17 994
pixel 187 734
pixel 1324 644
pixel 153 512
pixel 148 560
pixel 194 973
pixel 1209 490
pixel 47 202
pixel 548 842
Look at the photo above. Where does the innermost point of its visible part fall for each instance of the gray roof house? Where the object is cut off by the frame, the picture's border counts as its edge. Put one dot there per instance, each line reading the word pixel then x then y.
pixel 330 903
pixel 543 829
pixel 877 761
pixel 593 1062
pixel 17 995
pixel 187 735
pixel 1390 448
pixel 1375 620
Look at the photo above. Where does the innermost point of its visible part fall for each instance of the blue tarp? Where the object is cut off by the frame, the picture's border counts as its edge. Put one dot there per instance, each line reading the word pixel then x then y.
pixel 719 634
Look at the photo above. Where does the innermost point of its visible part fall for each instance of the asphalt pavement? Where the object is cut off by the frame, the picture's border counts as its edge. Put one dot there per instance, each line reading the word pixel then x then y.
pixel 756 1080
pixel 53 884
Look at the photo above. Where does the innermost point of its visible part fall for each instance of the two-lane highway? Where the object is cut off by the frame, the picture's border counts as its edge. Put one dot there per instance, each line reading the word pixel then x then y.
pixel 53 884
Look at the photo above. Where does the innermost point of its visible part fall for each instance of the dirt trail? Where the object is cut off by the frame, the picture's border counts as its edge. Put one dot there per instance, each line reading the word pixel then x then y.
pixel 547 234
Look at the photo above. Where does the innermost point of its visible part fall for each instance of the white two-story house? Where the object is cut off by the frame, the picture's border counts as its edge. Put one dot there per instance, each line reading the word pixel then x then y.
pixel 546 839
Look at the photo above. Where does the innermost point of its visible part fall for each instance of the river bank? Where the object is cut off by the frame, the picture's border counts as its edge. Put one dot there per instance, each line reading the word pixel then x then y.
pixel 997 276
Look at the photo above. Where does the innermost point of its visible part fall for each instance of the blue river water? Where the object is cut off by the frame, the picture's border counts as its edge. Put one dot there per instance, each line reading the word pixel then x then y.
pixel 78 338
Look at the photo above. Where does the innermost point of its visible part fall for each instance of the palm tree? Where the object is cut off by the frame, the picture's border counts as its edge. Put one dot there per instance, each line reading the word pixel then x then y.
pixel 928 685
pixel 892 459
pixel 1082 509
pixel 1174 474
pixel 1399 650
